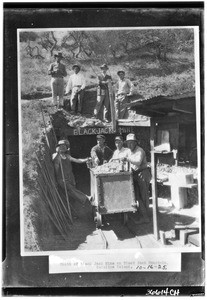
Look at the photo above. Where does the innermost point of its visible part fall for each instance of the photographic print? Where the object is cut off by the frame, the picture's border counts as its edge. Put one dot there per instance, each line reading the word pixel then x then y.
pixel 109 139
pixel 103 150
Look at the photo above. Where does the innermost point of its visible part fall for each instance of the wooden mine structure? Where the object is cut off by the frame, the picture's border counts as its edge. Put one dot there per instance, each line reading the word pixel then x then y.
pixel 167 114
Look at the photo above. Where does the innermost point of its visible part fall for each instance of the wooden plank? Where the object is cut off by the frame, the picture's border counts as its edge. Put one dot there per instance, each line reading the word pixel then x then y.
pixel 154 180
pixel 185 235
pixel 187 186
pixel 162 237
pixel 178 229
pixel 156 111
pixel 176 119
pixel 194 239
pixel 133 123
pixel 113 114
pixel 179 197
pixel 184 108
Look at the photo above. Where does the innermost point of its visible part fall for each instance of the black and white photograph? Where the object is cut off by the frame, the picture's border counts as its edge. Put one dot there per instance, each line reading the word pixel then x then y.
pixel 110 158
pixel 109 149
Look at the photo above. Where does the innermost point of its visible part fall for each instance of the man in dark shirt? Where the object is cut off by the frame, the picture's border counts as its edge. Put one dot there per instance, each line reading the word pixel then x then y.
pixel 58 72
pixel 103 102
pixel 101 153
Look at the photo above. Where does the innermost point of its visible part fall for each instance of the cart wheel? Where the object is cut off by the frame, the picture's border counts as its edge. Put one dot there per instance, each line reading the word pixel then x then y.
pixel 98 220
pixel 126 218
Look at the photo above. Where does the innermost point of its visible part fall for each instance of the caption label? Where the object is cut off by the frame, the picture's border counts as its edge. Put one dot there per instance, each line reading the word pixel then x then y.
pixel 115 262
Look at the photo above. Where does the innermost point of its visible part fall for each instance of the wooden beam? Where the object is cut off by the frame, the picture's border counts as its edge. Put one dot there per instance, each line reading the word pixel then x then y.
pixel 111 98
pixel 154 180
pixel 157 111
pixel 176 108
pixel 182 119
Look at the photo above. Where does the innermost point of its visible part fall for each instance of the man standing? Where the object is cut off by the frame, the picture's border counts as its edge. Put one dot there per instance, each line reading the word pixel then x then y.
pixel 120 152
pixel 58 72
pixel 124 89
pixel 62 164
pixel 101 153
pixel 141 175
pixel 76 84
pixel 103 102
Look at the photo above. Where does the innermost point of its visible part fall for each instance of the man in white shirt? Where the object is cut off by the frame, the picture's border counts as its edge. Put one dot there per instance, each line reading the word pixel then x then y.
pixel 120 152
pixel 76 84
pixel 141 175
pixel 123 89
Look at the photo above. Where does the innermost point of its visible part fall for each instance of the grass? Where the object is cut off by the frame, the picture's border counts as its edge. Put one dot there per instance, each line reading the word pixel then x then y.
pixel 32 140
pixel 150 75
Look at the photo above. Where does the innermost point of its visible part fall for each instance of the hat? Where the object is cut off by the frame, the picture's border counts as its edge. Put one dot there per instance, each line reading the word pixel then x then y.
pixel 104 66
pixel 59 54
pixel 121 71
pixel 131 137
pixel 100 136
pixel 76 66
pixel 67 143
pixel 119 138
pixel 61 142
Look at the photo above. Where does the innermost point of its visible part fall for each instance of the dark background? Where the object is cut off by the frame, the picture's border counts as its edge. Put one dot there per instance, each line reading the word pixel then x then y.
pixel 23 275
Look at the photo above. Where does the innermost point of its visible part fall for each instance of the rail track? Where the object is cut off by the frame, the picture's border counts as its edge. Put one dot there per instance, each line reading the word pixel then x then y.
pixel 113 233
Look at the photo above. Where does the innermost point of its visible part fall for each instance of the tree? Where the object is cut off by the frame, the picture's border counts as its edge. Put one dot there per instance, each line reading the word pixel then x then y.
pixel 26 36
pixel 161 41
pixel 48 41
pixel 78 43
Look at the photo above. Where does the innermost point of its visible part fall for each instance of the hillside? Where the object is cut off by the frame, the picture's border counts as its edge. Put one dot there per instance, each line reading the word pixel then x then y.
pixel 157 61
pixel 149 76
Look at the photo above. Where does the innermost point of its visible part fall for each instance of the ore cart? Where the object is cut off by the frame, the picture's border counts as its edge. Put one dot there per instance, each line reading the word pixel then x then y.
pixel 112 193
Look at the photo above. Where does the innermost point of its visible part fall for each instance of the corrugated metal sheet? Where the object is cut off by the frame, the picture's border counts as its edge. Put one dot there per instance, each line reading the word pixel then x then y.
pixel 161 106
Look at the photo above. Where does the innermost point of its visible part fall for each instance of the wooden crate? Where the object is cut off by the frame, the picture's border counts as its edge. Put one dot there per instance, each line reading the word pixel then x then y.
pixel 113 192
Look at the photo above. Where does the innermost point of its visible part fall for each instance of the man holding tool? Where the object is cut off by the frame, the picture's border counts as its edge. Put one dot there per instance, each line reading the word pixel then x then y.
pixel 103 102
pixel 64 173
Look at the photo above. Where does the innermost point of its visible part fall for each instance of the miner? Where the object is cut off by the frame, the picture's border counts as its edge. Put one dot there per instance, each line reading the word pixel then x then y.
pixel 58 71
pixel 101 153
pixel 64 173
pixel 76 85
pixel 141 175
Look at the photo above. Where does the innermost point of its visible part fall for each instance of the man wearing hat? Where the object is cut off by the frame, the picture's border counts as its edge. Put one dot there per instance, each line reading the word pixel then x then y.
pixel 101 153
pixel 141 174
pixel 103 102
pixel 62 157
pixel 67 143
pixel 76 84
pixel 123 89
pixel 58 72
pixel 120 152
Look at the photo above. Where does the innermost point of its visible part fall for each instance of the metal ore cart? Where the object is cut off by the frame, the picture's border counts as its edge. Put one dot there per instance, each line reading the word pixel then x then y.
pixel 112 193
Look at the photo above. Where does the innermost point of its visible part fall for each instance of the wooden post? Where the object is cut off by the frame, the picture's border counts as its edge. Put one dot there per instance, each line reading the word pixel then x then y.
pixel 45 127
pixel 154 179
pixel 112 106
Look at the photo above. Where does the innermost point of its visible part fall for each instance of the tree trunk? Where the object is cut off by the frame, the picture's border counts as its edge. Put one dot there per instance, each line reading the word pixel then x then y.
pixel 55 43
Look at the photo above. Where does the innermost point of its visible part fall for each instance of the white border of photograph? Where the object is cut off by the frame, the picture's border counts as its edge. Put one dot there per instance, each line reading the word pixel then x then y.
pixel 198 106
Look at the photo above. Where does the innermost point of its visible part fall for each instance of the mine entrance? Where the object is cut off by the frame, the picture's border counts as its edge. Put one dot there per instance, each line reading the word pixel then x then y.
pixel 80 148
